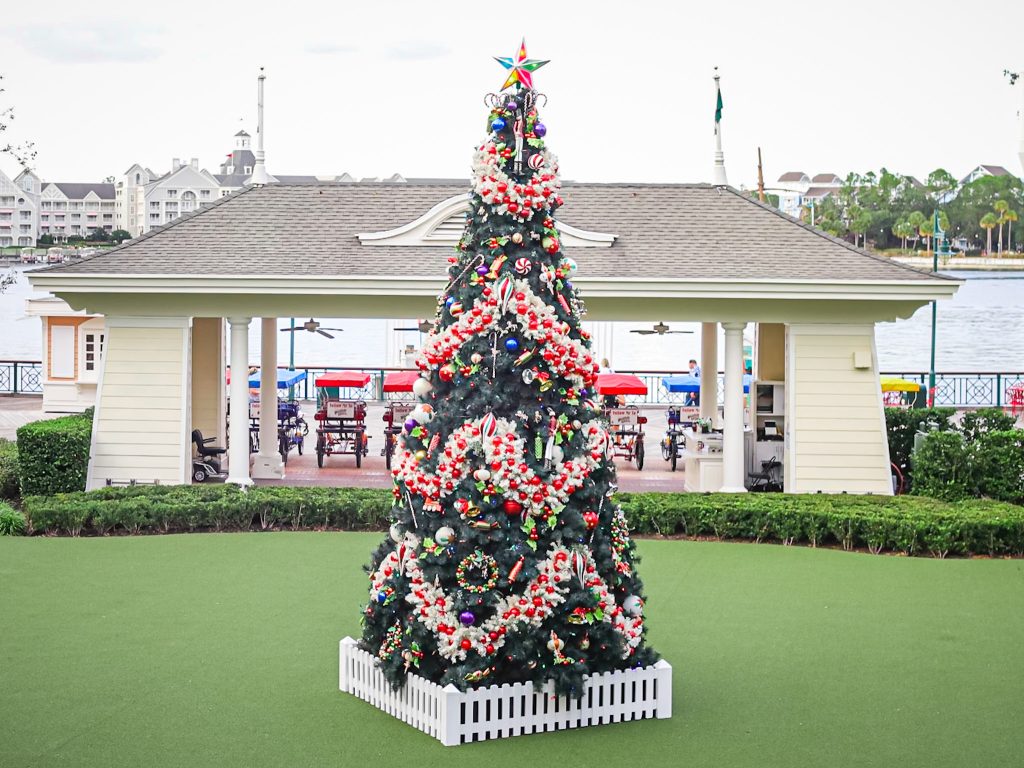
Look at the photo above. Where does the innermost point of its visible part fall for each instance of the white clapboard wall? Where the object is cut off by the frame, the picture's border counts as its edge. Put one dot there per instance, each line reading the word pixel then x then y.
pixel 499 711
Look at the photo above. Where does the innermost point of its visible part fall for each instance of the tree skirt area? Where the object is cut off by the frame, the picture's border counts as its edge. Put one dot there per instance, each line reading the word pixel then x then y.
pixel 222 649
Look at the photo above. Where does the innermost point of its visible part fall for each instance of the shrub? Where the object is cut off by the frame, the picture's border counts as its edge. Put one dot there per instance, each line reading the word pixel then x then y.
pixel 943 468
pixel 9 487
pixel 909 524
pixel 12 522
pixel 999 465
pixel 976 424
pixel 53 455
pixel 901 424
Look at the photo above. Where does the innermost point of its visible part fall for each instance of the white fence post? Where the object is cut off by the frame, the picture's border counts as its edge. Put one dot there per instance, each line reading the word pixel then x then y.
pixel 345 660
pixel 664 673
pixel 451 720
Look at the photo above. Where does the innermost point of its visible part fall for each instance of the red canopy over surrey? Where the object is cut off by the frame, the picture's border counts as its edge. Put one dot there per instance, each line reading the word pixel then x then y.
pixel 400 381
pixel 343 379
pixel 620 384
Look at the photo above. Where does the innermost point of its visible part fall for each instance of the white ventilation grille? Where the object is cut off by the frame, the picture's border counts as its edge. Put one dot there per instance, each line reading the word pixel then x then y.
pixel 450 229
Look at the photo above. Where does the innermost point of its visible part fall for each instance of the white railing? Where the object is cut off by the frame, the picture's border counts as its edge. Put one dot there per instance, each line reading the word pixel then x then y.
pixel 500 711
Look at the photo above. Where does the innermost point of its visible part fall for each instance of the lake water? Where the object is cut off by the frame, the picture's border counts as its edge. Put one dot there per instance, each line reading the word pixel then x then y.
pixel 981 329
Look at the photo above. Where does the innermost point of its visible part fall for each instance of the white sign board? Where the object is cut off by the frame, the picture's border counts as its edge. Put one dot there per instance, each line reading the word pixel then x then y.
pixel 341 409
pixel 401 410
pixel 622 416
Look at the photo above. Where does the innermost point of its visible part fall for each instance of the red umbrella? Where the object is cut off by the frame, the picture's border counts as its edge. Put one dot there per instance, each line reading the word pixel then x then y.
pixel 620 384
pixel 400 381
pixel 343 379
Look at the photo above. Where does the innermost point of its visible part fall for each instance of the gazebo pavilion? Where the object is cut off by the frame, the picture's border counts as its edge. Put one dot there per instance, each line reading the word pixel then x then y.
pixel 646 252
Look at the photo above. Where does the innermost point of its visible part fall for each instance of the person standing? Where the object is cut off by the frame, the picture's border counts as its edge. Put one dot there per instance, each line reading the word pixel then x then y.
pixel 693 398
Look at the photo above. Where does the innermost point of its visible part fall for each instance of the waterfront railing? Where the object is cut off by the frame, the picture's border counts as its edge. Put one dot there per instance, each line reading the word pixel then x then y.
pixel 965 389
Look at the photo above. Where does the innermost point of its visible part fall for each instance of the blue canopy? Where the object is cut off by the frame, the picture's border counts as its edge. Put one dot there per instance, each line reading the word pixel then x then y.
pixel 692 383
pixel 285 378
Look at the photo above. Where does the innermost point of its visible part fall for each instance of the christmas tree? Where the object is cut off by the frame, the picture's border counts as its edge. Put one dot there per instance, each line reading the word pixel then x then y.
pixel 508 559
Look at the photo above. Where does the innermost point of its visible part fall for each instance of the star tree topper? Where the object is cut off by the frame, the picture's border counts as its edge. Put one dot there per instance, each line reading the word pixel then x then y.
pixel 522 68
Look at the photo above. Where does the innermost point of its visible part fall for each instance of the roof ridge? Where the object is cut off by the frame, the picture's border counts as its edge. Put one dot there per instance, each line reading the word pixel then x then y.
pixel 832 238
pixel 155 231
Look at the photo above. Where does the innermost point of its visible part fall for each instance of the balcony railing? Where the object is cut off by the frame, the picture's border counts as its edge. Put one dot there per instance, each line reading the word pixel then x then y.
pixel 955 389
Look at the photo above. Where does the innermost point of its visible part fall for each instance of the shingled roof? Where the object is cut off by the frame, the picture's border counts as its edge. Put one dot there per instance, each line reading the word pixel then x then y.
pixel 663 231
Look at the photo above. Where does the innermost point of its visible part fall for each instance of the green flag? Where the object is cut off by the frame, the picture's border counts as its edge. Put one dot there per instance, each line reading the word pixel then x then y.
pixel 718 107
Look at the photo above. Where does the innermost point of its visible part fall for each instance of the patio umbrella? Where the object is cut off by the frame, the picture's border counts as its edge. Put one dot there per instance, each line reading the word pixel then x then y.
pixel 692 383
pixel 285 378
pixel 894 384
pixel 400 381
pixel 620 384
pixel 343 379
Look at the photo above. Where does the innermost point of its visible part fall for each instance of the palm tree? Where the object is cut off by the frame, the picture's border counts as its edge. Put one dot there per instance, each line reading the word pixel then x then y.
pixel 915 220
pixel 927 229
pixel 1011 216
pixel 901 229
pixel 1001 207
pixel 988 223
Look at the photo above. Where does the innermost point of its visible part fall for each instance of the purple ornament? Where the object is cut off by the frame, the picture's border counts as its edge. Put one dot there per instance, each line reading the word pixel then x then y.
pixel 410 425
pixel 482 270
pixel 539 129
pixel 467 618
pixel 512 106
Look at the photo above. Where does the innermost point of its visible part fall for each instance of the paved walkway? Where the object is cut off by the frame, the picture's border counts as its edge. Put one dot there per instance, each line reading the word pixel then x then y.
pixel 16 410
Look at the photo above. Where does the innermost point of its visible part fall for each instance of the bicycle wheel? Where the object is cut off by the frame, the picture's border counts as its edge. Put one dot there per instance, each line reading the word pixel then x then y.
pixel 639 454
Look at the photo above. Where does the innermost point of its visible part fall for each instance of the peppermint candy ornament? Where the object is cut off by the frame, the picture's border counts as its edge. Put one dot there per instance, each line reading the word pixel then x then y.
pixel 488 425
pixel 536 161
pixel 522 266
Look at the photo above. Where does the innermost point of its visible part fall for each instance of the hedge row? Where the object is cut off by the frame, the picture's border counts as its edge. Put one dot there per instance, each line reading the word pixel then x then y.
pixel 171 508
pixel 8 470
pixel 53 454
pixel 912 525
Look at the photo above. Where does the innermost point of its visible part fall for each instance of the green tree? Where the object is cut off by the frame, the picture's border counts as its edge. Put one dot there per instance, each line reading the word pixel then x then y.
pixel 916 219
pixel 926 230
pixel 940 182
pixel 988 223
pixel 1000 207
pixel 1011 216
pixel 46 239
pixel 508 559
pixel 99 235
pixel 119 235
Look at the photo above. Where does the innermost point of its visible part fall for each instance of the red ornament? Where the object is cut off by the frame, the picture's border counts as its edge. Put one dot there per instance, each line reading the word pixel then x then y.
pixel 512 507
pixel 591 519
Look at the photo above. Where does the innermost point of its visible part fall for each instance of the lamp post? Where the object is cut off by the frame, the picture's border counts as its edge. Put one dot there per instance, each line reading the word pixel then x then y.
pixel 938 236
pixel 291 358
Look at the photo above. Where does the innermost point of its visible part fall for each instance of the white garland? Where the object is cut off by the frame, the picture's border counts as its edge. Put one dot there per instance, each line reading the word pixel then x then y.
pixel 575 364
pixel 530 197
pixel 505 457
pixel 532 606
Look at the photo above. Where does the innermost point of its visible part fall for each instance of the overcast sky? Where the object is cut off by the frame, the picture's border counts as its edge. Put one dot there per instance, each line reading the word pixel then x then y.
pixel 378 87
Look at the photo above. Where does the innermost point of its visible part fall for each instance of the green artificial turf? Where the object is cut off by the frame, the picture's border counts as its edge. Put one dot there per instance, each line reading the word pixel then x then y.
pixel 221 650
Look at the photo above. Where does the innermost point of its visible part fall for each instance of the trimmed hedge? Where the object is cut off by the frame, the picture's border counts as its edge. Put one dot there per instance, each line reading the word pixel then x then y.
pixel 170 508
pixel 9 487
pixel 901 424
pixel 912 525
pixel 53 454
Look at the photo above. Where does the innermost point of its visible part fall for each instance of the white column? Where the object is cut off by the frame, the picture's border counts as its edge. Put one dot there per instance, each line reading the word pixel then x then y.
pixel 732 437
pixel 268 462
pixel 709 371
pixel 238 435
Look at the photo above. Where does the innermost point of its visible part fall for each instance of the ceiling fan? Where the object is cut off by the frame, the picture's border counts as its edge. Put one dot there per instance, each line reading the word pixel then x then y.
pixel 312 326
pixel 661 329
pixel 423 326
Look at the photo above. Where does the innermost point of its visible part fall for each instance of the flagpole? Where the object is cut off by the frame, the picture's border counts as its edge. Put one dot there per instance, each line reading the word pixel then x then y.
pixel 719 177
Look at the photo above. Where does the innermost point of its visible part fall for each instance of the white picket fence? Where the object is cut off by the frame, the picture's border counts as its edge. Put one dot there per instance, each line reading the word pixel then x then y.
pixel 499 711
